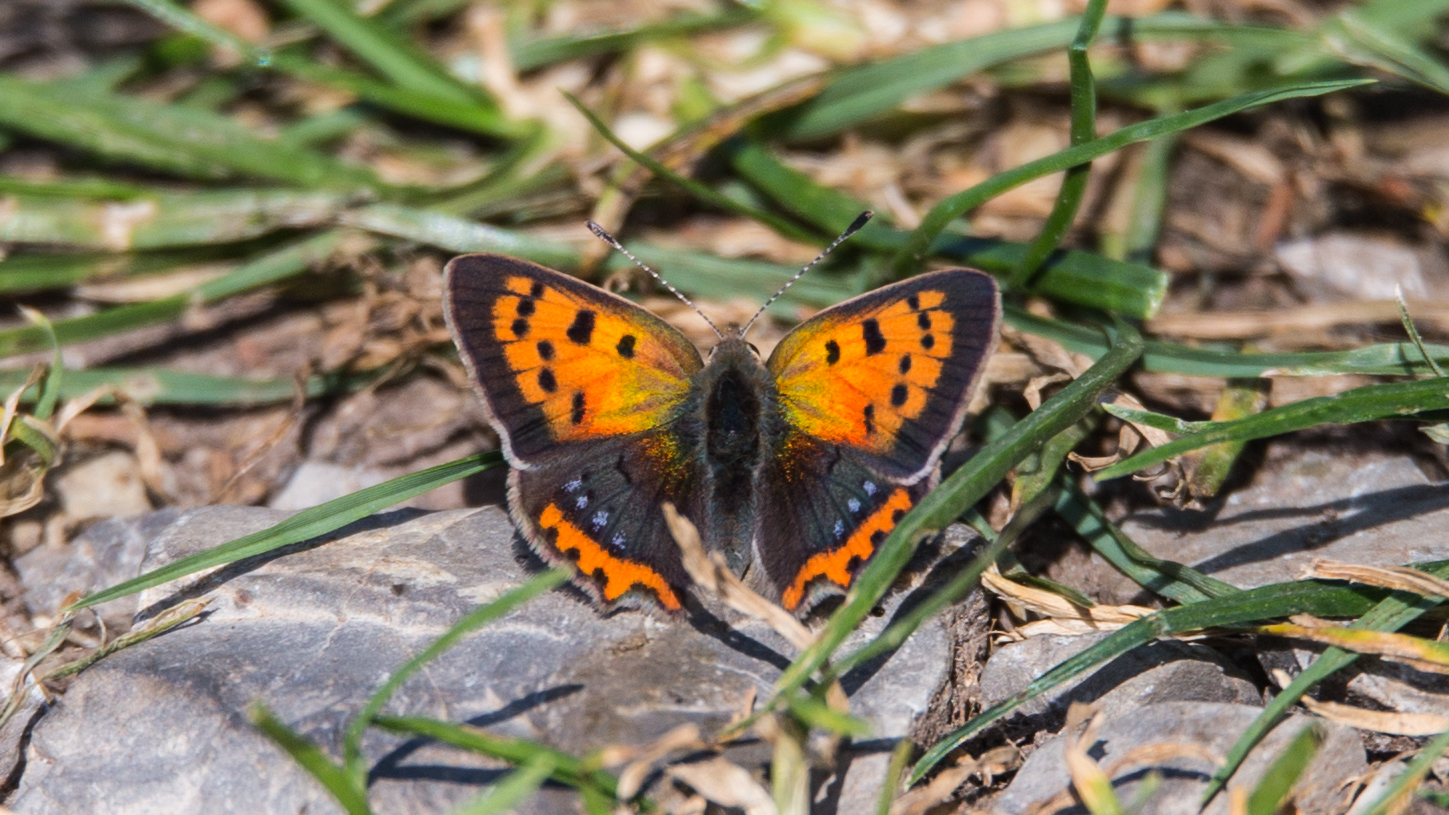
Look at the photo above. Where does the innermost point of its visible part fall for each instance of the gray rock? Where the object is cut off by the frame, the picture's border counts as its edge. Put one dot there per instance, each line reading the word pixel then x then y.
pixel 1162 671
pixel 312 632
pixel 1369 681
pixel 1361 506
pixel 1208 727
pixel 104 555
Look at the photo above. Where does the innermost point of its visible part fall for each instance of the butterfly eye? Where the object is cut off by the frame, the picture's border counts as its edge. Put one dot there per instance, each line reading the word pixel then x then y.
pixel 753 349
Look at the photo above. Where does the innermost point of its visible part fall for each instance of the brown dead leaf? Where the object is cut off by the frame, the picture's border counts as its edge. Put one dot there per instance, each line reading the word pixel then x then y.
pixel 1378 721
pixel 1056 607
pixel 725 783
pixel 1398 578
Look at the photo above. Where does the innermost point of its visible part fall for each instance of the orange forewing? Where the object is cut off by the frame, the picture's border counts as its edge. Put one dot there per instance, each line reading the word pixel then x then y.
pixel 855 378
pixel 558 360
pixel 628 381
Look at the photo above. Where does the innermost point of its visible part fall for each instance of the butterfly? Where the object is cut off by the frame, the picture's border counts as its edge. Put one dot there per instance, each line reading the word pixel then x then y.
pixel 794 468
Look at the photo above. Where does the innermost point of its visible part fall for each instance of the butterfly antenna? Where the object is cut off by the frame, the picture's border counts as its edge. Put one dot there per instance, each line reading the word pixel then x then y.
pixel 860 221
pixel 604 236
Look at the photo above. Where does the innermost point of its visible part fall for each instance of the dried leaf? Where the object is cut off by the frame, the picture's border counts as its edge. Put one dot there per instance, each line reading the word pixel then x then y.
pixel 725 783
pixel 713 576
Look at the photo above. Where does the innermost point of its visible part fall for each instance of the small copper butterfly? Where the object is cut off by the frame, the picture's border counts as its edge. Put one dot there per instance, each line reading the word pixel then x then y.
pixel 794 468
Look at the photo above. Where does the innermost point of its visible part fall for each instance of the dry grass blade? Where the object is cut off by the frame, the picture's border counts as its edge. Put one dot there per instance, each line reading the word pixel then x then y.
pixel 725 783
pixel 1426 655
pixel 1304 320
pixel 1059 608
pixel 1092 785
pixel 714 577
pixel 12 405
pixel 1398 578
pixel 991 763
pixel 167 620
pixel 1379 721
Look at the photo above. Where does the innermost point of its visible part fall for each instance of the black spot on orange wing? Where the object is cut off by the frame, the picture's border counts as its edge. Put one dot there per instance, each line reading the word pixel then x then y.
pixel 582 328
pixel 924 320
pixel 536 290
pixel 520 328
pixel 577 416
pixel 898 395
pixel 626 346
pixel 869 420
pixel 905 366
pixel 928 341
pixel 525 307
pixel 832 352
pixel 875 341
pixel 545 350
pixel 546 380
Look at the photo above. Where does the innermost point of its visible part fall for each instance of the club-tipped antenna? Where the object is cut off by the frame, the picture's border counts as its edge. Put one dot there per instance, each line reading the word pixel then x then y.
pixel 604 236
pixel 860 221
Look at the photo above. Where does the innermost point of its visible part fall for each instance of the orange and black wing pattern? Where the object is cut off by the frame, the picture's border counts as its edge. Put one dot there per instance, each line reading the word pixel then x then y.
pixel 582 387
pixel 557 360
pixel 871 391
pixel 889 373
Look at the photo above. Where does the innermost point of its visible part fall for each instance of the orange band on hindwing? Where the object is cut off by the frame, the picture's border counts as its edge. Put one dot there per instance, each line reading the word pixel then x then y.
pixel 619 575
pixel 835 565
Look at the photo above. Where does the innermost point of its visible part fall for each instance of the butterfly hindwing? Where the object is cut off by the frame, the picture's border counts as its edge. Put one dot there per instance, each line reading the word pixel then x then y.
pixel 825 515
pixel 597 508
pixel 872 391
pixel 559 361
pixel 889 373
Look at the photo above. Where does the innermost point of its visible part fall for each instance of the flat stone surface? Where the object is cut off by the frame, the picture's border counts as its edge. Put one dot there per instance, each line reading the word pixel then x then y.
pixel 1356 505
pixel 105 554
pixel 1162 671
pixel 1207 727
pixel 311 632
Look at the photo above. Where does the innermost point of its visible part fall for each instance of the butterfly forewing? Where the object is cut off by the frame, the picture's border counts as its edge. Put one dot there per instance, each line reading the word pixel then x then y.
pixel 889 373
pixel 557 360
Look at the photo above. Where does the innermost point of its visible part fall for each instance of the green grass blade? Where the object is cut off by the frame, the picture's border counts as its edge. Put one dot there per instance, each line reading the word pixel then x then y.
pixel 466 115
pixel 174 139
pixel 1076 277
pixel 305 752
pixel 1277 600
pixel 568 769
pixel 913 254
pixel 1083 130
pixel 1285 770
pixel 1390 614
pixel 864 93
pixel 1387 359
pixel 1368 403
pixel 41 271
pixel 962 489
pixel 1163 577
pixel 163 386
pixel 270 268
pixel 160 220
pixel 472 621
pixel 305 525
pixel 689 185
pixel 392 56
pixel 457 234
pixel 529 56
pixel 513 790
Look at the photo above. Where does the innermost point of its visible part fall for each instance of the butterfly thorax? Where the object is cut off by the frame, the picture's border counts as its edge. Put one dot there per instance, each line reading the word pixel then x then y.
pixel 735 415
